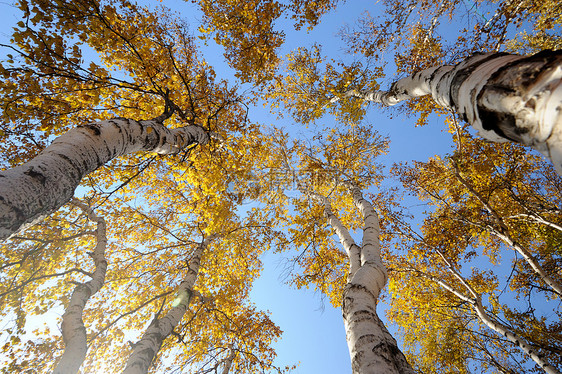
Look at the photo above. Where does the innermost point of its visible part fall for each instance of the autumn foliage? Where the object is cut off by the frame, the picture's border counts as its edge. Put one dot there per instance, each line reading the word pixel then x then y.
pixel 161 250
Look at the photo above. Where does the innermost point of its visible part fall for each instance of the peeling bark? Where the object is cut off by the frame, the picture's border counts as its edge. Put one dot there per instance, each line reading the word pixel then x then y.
pixel 160 328
pixel 73 329
pixel 504 97
pixel 39 187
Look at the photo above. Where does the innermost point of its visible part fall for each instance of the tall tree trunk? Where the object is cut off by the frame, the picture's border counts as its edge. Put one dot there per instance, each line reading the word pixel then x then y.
pixel 228 362
pixel 372 348
pixel 73 329
pixel 39 187
pixel 504 97
pixel 160 328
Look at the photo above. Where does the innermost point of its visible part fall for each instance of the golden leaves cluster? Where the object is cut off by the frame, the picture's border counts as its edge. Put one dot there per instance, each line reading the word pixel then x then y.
pixel 477 212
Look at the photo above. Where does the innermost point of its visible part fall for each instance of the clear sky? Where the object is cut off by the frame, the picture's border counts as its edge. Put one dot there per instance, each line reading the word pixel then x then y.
pixel 314 334
pixel 313 330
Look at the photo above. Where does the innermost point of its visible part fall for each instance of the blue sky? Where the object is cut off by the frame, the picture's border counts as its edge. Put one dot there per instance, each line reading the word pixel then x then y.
pixel 313 330
pixel 314 334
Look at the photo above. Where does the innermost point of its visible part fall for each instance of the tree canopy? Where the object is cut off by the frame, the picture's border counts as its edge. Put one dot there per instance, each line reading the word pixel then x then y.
pixel 139 189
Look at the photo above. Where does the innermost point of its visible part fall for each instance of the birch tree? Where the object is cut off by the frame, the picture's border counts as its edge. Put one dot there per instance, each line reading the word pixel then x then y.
pixel 503 97
pixel 353 277
pixel 142 282
pixel 475 300
pixel 160 328
pixel 445 69
pixel 95 107
pixel 372 348
pixel 484 289
pixel 72 326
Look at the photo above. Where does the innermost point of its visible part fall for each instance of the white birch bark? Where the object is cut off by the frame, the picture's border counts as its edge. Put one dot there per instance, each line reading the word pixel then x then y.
pixel 373 350
pixel 39 187
pixel 160 328
pixel 352 250
pixel 504 97
pixel 73 329
pixel 537 218
pixel 512 337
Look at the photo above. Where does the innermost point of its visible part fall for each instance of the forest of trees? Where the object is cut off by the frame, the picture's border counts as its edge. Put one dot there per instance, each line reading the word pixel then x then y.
pixel 138 193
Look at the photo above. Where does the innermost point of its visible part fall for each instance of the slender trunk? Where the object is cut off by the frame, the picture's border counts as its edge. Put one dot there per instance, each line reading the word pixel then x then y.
pixel 537 218
pixel 476 302
pixel 372 348
pixel 228 362
pixel 504 97
pixel 39 187
pixel 73 329
pixel 531 260
pixel 352 250
pixel 504 234
pixel 160 328
pixel 512 337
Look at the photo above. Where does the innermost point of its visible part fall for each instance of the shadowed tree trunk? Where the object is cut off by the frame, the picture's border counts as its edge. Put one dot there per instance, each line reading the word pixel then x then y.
pixel 160 328
pixel 39 187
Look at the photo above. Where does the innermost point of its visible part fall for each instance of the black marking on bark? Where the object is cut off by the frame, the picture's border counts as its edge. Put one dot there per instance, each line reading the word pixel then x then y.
pixel 119 129
pixel 139 124
pixel 94 128
pixel 369 338
pixel 384 351
pixel 432 76
pixel 78 175
pixel 36 175
pixel 20 216
pixel 110 152
pixel 502 124
pixel 531 103
pixel 99 162
pixel 441 82
pixel 362 288
pixel 363 315
pixel 392 92
pixel 526 70
pixel 460 75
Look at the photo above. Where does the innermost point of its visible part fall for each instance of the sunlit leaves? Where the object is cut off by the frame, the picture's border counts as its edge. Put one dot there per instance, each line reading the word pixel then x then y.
pixel 75 62
pixel 473 207
pixel 322 168
pixel 248 33
pixel 313 83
